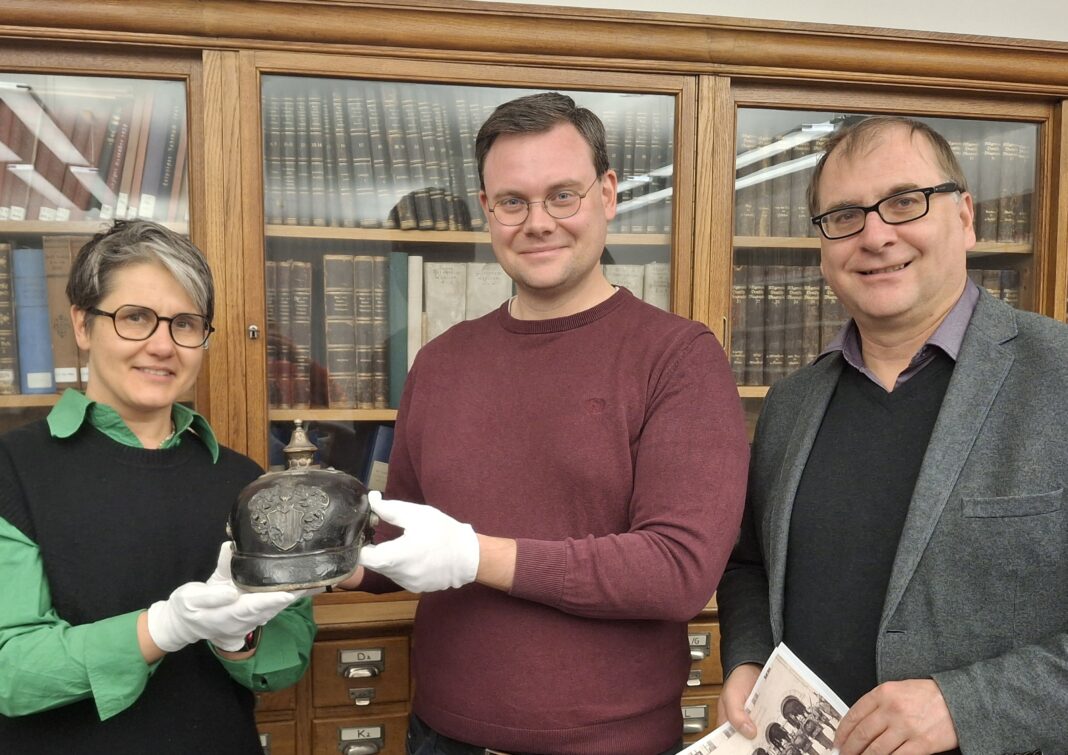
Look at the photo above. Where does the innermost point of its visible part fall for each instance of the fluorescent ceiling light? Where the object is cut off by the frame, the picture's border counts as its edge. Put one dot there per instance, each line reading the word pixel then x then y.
pixel 643 200
pixel 806 133
pixel 41 185
pixel 644 179
pixel 89 177
pixel 777 170
pixel 25 104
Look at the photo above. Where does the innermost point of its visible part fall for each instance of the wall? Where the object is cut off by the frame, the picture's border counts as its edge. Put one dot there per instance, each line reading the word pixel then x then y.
pixel 1023 19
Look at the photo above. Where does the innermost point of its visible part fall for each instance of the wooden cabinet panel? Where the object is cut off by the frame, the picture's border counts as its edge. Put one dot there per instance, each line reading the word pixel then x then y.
pixel 283 699
pixel 360 672
pixel 704 650
pixel 360 735
pixel 278 738
pixel 698 716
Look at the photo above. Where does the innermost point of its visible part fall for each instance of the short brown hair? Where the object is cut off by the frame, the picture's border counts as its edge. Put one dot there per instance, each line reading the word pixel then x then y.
pixel 536 114
pixel 854 137
pixel 130 242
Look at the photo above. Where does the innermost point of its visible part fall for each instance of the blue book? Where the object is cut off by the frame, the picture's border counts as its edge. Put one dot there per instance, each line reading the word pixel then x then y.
pixel 376 464
pixel 398 325
pixel 32 327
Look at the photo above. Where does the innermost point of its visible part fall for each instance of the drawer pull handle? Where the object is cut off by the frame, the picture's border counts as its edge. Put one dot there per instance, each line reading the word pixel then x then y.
pixel 692 727
pixel 360 672
pixel 363 748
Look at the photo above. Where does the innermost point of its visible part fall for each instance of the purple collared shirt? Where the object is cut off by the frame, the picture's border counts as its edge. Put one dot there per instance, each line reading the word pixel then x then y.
pixel 948 337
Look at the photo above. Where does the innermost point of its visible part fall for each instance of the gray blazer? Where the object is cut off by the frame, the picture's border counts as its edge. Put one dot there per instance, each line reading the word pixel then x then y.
pixel 978 594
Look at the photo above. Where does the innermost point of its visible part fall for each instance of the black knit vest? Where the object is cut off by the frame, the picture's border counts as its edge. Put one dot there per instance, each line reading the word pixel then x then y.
pixel 118 529
pixel 847 519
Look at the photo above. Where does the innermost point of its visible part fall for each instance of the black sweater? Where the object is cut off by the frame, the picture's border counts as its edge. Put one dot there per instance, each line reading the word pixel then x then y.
pixel 118 529
pixel 847 518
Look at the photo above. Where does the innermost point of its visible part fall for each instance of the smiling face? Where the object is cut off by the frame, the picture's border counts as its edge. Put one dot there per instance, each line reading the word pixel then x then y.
pixel 895 278
pixel 554 261
pixel 140 380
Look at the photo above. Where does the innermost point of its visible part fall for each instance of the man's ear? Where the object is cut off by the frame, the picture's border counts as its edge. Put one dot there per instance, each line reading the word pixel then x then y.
pixel 609 187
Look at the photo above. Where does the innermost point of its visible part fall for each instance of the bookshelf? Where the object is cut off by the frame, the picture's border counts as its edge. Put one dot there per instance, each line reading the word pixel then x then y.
pixel 375 241
pixel 781 311
pixel 231 59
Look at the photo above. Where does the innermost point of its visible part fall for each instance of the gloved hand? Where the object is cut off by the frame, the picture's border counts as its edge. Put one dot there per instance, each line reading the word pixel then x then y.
pixel 215 610
pixel 434 553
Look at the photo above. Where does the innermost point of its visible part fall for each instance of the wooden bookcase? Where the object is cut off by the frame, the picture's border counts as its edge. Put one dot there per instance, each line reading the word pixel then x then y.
pixel 717 75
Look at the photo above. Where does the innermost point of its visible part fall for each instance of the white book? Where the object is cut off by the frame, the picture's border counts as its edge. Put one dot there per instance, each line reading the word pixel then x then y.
pixel 488 286
pixel 445 294
pixel 630 277
pixel 415 306
pixel 791 707
pixel 658 285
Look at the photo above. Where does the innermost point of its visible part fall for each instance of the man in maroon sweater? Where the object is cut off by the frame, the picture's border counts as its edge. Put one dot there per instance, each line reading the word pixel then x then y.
pixel 579 459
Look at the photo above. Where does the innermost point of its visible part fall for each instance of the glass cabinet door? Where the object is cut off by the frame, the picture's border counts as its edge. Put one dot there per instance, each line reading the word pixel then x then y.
pixel 782 312
pixel 376 243
pixel 76 153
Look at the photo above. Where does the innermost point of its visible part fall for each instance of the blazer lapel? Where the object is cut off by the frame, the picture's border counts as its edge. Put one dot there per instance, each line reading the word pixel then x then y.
pixel 978 375
pixel 823 377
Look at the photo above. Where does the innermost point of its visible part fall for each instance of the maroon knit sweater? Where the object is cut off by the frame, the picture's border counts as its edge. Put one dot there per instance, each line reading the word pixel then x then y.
pixel 611 445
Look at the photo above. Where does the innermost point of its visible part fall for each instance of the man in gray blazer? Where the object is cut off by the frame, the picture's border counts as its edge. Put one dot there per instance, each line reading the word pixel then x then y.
pixel 905 531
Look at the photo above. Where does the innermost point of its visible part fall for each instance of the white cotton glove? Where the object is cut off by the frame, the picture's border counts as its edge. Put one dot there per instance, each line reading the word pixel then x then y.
pixel 434 553
pixel 215 610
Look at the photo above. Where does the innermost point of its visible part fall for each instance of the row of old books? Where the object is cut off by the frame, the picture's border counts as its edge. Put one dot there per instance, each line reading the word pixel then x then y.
pixel 356 154
pixel 998 167
pixel 38 351
pixel 783 316
pixel 343 329
pixel 134 165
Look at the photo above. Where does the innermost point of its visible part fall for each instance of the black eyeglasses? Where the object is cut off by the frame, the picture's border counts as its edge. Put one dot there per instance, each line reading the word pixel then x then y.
pixel 561 204
pixel 136 323
pixel 900 207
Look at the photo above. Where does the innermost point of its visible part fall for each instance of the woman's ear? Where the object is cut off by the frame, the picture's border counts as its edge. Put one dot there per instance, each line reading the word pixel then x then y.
pixel 81 327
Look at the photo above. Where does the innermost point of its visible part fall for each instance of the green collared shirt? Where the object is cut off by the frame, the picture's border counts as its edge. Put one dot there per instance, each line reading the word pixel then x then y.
pixel 73 410
pixel 102 660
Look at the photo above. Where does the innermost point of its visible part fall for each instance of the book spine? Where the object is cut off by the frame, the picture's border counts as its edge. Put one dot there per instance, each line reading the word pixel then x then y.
pixel 380 332
pixel 285 335
pixel 270 275
pixel 405 209
pixel 446 295
pixel 31 321
pixel 290 182
pixel 167 116
pixel 364 331
pixel 57 261
pixel 338 323
pixel 754 321
pixel 800 220
pixel 468 162
pixel 745 198
pixel 424 214
pixel 383 176
pixel 657 289
pixel 332 200
pixel 9 350
pixel 810 314
pixel 989 187
pixel 345 190
pixel 775 324
pixel 739 297
pixel 398 326
pixel 415 306
pixel 794 327
pixel 272 159
pixel 114 170
pixel 427 134
pixel 315 137
pixel 832 314
pixel 134 152
pixel 1010 287
pixel 991 281
pixel 300 290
